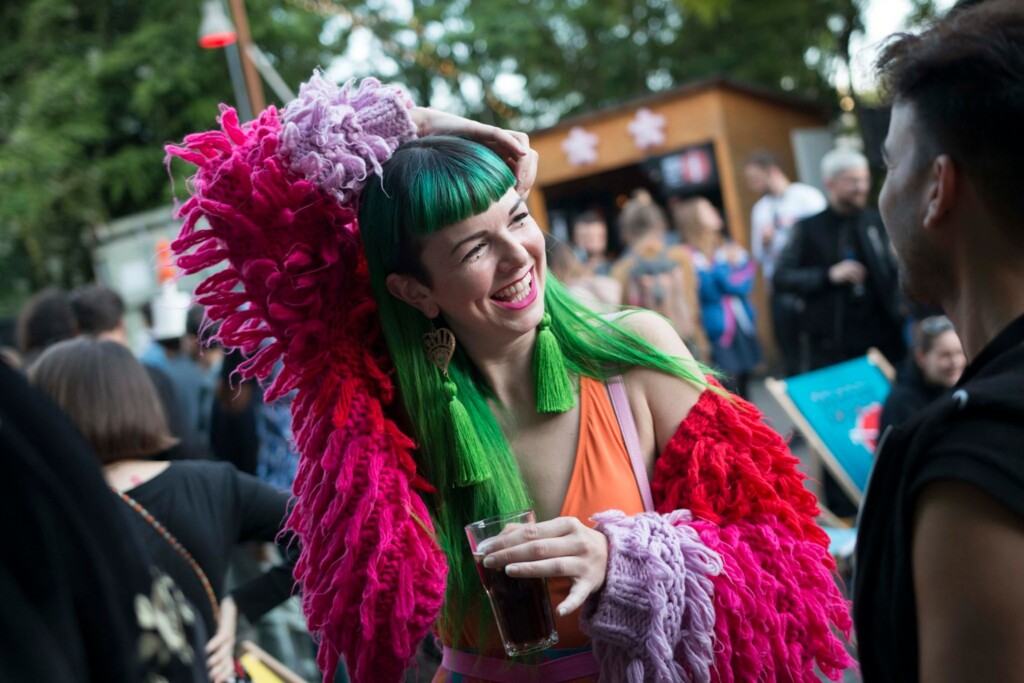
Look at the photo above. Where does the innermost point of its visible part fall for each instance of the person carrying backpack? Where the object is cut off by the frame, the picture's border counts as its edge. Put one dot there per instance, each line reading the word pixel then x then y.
pixel 725 277
pixel 655 275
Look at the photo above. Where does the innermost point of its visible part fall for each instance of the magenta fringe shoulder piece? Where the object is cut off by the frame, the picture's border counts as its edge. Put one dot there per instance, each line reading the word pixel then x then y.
pixel 293 289
pixel 778 608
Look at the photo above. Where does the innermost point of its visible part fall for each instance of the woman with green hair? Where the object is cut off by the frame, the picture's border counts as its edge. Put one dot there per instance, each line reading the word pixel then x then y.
pixel 444 376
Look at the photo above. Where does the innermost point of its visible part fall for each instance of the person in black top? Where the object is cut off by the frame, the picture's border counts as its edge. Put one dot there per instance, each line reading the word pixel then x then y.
pixel 840 262
pixel 938 589
pixel 76 585
pixel 206 507
pixel 934 367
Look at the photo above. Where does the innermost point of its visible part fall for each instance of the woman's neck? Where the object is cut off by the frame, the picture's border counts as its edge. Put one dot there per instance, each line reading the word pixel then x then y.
pixel 504 367
pixel 124 475
pixel 707 242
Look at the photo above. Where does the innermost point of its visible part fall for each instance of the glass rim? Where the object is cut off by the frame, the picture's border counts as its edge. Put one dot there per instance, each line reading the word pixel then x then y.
pixel 497 518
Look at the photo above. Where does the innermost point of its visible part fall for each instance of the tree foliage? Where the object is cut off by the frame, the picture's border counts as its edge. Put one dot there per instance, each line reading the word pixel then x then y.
pixel 90 90
pixel 573 55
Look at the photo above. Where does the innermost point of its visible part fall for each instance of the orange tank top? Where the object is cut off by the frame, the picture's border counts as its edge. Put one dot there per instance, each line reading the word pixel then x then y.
pixel 602 479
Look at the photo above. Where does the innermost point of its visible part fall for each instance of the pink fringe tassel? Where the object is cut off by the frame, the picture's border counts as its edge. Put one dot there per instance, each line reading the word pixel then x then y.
pixel 372 575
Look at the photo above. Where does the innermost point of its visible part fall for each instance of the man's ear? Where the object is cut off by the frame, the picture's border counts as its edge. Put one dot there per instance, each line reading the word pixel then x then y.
pixel 413 292
pixel 942 191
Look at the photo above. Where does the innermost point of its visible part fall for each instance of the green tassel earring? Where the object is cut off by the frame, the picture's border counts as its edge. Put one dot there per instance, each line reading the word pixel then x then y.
pixel 554 389
pixel 470 457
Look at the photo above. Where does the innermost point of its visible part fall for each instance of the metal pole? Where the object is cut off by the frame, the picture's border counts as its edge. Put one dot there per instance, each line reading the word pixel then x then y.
pixel 273 78
pixel 238 83
pixel 252 79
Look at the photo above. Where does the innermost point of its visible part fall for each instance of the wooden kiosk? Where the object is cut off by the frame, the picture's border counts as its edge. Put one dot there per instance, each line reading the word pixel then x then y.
pixel 723 118
pixel 693 140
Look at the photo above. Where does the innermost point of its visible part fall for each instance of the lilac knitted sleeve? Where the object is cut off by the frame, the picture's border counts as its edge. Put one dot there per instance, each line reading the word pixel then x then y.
pixel 654 620
pixel 337 137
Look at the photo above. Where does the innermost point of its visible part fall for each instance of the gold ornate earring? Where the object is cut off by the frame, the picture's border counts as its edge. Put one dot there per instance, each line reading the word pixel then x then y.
pixel 439 345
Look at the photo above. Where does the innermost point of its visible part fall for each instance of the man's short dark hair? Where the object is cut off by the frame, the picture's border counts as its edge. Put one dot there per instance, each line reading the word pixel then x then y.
pixel 98 309
pixel 46 319
pixel 765 159
pixel 589 216
pixel 964 78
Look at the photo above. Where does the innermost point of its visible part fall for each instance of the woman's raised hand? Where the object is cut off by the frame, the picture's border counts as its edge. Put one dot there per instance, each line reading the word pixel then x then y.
pixel 510 145
pixel 563 546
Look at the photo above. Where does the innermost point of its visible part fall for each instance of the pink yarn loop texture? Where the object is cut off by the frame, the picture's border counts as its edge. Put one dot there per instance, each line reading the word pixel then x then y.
pixel 655 618
pixel 294 290
pixel 778 608
pixel 339 137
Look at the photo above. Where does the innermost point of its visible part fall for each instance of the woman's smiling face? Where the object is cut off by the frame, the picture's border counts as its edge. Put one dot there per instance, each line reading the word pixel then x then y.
pixel 486 274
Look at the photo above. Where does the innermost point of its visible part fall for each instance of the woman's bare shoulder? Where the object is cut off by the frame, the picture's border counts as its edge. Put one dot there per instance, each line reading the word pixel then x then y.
pixel 653 329
pixel 660 400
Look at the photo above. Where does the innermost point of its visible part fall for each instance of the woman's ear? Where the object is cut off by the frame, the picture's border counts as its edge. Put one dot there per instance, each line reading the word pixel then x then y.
pixel 413 292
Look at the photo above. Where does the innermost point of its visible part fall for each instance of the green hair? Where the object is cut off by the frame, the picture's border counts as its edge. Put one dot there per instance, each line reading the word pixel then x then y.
pixel 427 185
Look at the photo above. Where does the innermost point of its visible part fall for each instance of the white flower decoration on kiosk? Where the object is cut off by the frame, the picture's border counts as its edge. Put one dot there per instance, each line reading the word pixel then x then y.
pixel 647 128
pixel 580 147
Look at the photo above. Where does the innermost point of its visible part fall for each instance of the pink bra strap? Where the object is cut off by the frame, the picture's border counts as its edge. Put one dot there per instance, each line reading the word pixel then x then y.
pixel 624 414
pixel 506 671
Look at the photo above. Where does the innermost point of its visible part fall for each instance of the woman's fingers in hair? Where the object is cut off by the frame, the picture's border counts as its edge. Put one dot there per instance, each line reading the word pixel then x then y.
pixel 433 122
pixel 511 145
pixel 525 166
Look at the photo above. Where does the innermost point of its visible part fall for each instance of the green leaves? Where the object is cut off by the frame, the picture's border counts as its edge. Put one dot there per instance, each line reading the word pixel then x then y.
pixel 89 93
pixel 576 56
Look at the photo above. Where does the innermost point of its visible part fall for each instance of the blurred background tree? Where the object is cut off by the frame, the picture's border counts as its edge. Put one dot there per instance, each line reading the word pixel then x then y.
pixel 90 90
pixel 571 56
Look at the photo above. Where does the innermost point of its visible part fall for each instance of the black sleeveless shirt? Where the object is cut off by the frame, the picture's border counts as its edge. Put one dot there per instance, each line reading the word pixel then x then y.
pixel 974 434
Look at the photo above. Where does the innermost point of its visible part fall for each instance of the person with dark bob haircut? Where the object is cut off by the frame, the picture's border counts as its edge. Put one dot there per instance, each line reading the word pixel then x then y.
pixel 194 511
pixel 117 412
pixel 938 594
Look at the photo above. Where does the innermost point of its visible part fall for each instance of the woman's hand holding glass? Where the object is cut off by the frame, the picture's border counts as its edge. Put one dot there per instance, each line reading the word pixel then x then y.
pixel 561 547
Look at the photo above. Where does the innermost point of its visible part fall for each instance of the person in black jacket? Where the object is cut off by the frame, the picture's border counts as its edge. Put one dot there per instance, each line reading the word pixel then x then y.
pixel 934 367
pixel 841 263
pixel 938 594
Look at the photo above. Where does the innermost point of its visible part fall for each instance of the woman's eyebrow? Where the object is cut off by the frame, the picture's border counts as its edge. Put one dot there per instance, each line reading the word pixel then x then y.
pixel 515 206
pixel 474 236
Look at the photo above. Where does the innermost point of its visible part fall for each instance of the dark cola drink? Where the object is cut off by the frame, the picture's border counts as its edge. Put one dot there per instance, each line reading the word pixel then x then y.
pixel 522 609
